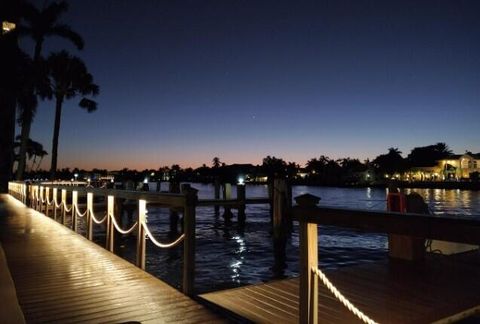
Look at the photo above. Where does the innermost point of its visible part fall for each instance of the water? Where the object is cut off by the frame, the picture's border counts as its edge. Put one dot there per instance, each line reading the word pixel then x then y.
pixel 229 255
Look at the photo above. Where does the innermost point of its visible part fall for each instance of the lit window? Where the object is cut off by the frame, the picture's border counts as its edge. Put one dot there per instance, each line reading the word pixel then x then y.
pixel 7 27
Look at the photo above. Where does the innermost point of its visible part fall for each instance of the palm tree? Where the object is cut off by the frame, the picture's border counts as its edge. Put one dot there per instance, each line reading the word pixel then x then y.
pixel 216 162
pixel 41 23
pixel 34 150
pixel 44 22
pixel 70 78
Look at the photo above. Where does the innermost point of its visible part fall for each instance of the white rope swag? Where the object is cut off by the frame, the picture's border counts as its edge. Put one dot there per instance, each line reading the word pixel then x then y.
pixel 317 272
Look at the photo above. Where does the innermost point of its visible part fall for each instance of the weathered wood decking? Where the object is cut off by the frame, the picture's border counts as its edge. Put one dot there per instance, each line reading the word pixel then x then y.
pixel 444 287
pixel 62 277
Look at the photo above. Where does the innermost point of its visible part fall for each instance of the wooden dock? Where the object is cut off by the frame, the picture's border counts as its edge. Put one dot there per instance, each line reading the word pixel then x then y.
pixel 444 288
pixel 62 277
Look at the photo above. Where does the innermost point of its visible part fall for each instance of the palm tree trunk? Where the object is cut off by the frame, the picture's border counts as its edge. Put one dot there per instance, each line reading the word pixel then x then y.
pixel 7 134
pixel 56 133
pixel 22 156
pixel 39 162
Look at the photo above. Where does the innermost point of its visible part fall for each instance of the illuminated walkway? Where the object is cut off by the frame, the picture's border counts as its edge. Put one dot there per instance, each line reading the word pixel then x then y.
pixel 62 277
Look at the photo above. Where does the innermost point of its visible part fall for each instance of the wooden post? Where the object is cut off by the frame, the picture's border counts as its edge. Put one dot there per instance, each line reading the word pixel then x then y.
pixel 217 194
pixel 45 204
pixel 142 212
pixel 40 203
pixel 54 198
pixel 110 228
pixel 74 213
pixel 241 201
pixel 189 242
pixel 279 207
pixel 64 201
pixel 27 194
pixel 159 186
pixel 32 196
pixel 227 194
pixel 89 215
pixel 308 240
pixel 174 187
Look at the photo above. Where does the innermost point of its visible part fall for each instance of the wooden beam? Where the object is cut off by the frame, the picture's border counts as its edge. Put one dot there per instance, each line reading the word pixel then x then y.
pixel 440 227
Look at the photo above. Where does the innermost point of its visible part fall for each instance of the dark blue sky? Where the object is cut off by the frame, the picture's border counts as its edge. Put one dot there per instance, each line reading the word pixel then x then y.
pixel 184 81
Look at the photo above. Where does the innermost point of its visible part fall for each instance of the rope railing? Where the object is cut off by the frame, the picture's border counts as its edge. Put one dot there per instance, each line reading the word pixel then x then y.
pixel 119 229
pixel 65 207
pixel 50 203
pixel 57 205
pixel 351 307
pixel 41 197
pixel 95 220
pixel 79 214
pixel 163 245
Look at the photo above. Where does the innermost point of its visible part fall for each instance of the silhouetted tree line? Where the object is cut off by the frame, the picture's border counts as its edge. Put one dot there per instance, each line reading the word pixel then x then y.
pixel 317 171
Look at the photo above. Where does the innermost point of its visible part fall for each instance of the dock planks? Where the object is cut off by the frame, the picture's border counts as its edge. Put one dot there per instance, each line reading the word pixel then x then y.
pixel 444 287
pixel 62 277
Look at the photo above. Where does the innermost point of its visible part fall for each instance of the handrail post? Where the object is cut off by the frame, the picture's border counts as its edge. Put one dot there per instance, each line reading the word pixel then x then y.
pixel 31 196
pixel 35 197
pixel 54 198
pixel 142 212
pixel 40 197
pixel 189 243
pixel 47 193
pixel 26 194
pixel 308 241
pixel 74 212
pixel 110 230
pixel 40 203
pixel 64 202
pixel 89 215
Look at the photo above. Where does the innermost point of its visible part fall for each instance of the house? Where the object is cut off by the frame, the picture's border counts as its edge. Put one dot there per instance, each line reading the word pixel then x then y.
pixel 455 167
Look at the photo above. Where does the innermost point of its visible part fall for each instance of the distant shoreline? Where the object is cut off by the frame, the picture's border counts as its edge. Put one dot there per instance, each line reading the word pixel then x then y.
pixel 404 184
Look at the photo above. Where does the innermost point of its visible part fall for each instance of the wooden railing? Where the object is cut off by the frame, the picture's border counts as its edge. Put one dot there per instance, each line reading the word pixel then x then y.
pixel 44 198
pixel 444 227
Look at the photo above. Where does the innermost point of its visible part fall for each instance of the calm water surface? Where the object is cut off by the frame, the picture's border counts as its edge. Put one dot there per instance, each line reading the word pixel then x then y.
pixel 229 255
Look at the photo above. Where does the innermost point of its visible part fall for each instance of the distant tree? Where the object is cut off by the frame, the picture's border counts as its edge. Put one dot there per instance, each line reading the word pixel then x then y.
pixel 273 166
pixel 70 78
pixel 324 170
pixel 390 163
pixel 216 162
pixel 39 24
pixel 292 169
pixel 428 155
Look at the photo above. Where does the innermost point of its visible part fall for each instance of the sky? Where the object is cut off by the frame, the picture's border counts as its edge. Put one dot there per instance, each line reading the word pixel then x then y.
pixel 184 81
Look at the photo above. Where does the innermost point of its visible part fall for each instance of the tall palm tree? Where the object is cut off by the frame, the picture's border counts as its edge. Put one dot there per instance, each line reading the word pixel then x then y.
pixel 44 22
pixel 70 78
pixel 39 24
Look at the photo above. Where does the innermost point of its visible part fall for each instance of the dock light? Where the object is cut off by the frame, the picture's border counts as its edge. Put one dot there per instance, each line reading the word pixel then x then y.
pixel 241 181
pixel 72 179
pixel 111 180
pixel 76 176
pixel 145 180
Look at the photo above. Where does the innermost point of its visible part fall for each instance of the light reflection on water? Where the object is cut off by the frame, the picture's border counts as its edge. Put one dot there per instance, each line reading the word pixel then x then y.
pixel 229 255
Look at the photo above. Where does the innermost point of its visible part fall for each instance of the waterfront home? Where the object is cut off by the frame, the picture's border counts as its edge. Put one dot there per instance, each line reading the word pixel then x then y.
pixel 455 167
